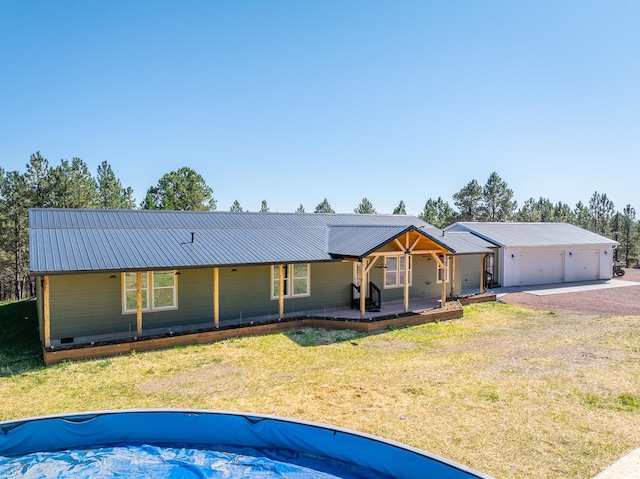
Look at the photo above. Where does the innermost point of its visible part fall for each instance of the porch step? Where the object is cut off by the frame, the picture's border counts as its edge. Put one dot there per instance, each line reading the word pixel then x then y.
pixel 368 305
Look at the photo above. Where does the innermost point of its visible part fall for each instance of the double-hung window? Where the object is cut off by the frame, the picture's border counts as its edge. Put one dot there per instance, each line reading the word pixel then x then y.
pixel 159 291
pixel 394 271
pixel 296 281
pixel 446 275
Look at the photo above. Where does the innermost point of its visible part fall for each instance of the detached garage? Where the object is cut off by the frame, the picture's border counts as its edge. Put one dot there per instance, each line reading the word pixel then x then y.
pixel 545 253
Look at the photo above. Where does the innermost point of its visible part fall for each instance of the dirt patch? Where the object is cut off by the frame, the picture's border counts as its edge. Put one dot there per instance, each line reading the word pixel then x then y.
pixel 614 301
pixel 225 378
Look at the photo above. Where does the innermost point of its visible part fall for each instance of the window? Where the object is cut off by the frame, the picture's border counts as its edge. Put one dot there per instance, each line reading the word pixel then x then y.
pixel 446 263
pixel 164 290
pixel 130 293
pixel 394 271
pixel 296 281
pixel 159 291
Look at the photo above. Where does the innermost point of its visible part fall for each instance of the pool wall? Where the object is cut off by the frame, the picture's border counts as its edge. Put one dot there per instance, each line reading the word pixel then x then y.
pixel 215 428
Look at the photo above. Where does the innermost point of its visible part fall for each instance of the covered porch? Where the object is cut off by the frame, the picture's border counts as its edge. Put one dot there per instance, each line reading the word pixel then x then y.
pixel 396 252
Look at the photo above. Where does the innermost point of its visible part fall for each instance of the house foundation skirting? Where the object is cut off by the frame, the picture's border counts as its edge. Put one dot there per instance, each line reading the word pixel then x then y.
pixel 51 356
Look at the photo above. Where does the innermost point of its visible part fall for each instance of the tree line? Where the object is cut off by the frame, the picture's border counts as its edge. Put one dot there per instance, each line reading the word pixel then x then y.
pixel 71 185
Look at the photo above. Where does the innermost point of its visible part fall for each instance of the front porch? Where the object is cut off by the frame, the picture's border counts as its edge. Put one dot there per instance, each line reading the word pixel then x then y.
pixel 391 314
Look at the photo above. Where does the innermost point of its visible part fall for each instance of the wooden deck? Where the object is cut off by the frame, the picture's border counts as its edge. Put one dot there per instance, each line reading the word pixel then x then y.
pixel 390 315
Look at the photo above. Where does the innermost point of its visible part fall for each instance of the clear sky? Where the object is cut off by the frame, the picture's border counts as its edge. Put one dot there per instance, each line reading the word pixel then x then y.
pixel 293 101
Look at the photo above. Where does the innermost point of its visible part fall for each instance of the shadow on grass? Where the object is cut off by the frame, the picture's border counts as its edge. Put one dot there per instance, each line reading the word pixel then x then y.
pixel 20 348
pixel 321 337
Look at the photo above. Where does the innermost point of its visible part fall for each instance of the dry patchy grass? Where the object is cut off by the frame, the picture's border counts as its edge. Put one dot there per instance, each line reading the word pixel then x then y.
pixel 508 391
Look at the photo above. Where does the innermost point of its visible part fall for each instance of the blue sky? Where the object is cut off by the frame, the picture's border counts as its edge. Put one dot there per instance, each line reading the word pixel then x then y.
pixel 293 101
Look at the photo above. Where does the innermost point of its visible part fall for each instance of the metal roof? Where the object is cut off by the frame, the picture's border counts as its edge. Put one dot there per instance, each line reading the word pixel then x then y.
pixel 533 234
pixel 461 242
pixel 77 240
pixel 359 241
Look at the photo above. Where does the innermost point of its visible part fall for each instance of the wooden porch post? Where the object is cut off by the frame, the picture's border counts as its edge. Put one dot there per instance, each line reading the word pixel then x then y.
pixel 216 297
pixel 406 282
pixel 452 279
pixel 363 296
pixel 46 312
pixel 280 291
pixel 444 282
pixel 482 288
pixel 139 302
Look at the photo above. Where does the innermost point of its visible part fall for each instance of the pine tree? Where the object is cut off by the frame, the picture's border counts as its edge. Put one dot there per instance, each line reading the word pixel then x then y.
pixel 562 213
pixel 324 207
pixel 235 207
pixel 14 237
pixel 546 210
pixel 629 234
pixel 528 212
pixel 438 213
pixel 183 190
pixel 264 208
pixel 581 216
pixel 72 185
pixel 38 180
pixel 400 209
pixel 497 200
pixel 300 209
pixel 469 201
pixel 365 208
pixel 601 211
pixel 111 194
pixel 536 211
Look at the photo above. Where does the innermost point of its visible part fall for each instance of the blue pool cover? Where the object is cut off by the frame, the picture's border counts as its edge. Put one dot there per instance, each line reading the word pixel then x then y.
pixel 205 444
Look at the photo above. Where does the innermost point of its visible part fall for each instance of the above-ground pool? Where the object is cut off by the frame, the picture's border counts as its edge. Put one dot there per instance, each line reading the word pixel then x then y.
pixel 205 444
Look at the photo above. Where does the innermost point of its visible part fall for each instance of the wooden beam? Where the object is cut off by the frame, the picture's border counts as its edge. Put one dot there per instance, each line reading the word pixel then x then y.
pixel 414 244
pixel 406 282
pixel 372 261
pixel 364 268
pixel 382 254
pixel 439 262
pixel 482 288
pixel 444 282
pixel 280 291
pixel 452 279
pixel 216 297
pixel 139 302
pixel 46 313
pixel 428 252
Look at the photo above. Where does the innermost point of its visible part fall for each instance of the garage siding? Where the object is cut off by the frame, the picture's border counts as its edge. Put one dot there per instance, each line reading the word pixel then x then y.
pixel 532 266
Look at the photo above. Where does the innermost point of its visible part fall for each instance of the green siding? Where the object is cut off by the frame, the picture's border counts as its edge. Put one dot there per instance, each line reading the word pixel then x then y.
pixel 86 305
pixel 91 305
pixel 468 271
pixel 195 302
pixel 246 292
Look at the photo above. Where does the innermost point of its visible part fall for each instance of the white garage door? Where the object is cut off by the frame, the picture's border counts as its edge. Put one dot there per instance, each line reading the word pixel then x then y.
pixel 587 265
pixel 541 266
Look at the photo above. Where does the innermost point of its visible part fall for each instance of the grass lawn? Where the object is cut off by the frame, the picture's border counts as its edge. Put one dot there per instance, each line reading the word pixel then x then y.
pixel 511 392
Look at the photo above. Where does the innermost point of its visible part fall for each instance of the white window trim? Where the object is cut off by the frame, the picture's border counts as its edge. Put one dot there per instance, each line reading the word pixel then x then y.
pixel 399 272
pixel 150 291
pixel 274 279
pixel 439 269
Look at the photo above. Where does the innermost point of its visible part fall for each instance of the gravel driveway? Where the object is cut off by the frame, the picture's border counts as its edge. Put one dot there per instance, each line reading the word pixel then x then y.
pixel 618 301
